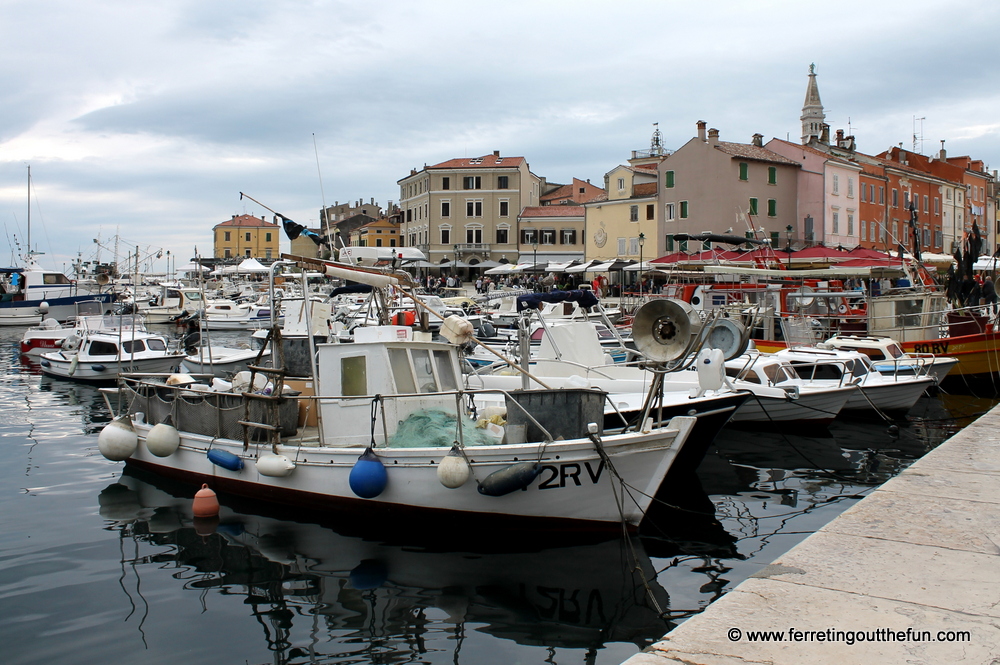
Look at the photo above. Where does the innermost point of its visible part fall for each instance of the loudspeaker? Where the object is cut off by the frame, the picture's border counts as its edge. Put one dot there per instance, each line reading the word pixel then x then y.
pixel 662 329
pixel 729 336
pixel 102 279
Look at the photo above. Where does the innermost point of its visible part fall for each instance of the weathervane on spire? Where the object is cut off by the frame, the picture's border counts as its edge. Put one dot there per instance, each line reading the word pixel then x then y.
pixel 656 145
pixel 812 68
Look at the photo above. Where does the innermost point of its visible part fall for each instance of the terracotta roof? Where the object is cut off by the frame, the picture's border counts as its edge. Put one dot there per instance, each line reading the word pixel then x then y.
pixel 645 167
pixel 485 162
pixel 754 152
pixel 558 193
pixel 644 189
pixel 553 211
pixel 246 220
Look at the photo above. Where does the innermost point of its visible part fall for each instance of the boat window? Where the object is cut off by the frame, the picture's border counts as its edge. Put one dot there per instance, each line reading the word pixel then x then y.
pixel 133 346
pixel 895 351
pixel 154 344
pixel 99 348
pixel 446 370
pixel 821 371
pixel 55 278
pixel 354 375
pixel 908 312
pixel 748 375
pixel 171 293
pixel 193 295
pixel 424 371
pixel 857 367
pixel 399 363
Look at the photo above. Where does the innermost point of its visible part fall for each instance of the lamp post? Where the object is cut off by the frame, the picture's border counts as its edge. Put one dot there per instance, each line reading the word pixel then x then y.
pixel 534 261
pixel 642 241
pixel 788 247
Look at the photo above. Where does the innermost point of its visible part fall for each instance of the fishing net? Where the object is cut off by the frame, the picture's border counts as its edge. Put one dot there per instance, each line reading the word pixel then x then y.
pixel 431 427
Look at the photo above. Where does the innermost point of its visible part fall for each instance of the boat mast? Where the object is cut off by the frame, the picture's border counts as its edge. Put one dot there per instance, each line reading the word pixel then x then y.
pixel 28 257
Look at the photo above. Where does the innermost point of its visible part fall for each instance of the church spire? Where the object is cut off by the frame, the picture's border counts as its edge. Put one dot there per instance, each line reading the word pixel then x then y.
pixel 812 110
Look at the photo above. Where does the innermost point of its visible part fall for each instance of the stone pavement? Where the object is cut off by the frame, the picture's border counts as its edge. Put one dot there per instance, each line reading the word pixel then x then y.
pixel 910 574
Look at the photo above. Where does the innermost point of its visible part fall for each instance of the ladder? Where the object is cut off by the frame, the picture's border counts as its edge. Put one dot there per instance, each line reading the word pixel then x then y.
pixel 272 402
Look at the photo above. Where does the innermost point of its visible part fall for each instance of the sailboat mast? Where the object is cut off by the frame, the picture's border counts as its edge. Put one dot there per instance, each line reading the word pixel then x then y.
pixel 29 212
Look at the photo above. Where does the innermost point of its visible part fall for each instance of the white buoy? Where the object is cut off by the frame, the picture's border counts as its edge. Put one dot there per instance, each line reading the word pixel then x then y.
pixel 73 364
pixel 117 441
pixel 453 470
pixel 163 440
pixel 43 307
pixel 276 466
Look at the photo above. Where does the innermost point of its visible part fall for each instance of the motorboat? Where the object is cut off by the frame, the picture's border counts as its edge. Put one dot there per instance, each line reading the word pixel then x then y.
pixel 50 334
pixel 102 347
pixel 223 361
pixel 888 357
pixel 30 294
pixel 883 393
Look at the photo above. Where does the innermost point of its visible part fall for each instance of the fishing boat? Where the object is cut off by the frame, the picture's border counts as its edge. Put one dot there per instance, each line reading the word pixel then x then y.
pixel 396 436
pixel 102 347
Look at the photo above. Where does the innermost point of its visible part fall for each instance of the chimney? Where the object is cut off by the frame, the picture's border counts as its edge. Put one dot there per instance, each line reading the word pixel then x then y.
pixel 824 136
pixel 701 129
pixel 944 155
pixel 758 140
pixel 713 136
pixel 496 153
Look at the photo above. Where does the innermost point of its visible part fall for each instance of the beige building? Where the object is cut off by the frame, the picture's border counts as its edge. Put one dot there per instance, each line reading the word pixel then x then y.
pixel 466 209
pixel 558 231
pixel 246 236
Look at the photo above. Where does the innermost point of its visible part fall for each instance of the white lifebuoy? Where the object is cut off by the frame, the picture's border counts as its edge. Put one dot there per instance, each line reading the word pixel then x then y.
pixel 842 309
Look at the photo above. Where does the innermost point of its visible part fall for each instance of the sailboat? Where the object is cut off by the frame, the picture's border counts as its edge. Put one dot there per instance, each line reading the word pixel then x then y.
pixel 29 293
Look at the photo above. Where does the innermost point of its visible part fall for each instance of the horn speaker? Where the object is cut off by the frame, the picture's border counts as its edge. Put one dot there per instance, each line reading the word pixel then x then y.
pixel 729 336
pixel 662 329
pixel 102 279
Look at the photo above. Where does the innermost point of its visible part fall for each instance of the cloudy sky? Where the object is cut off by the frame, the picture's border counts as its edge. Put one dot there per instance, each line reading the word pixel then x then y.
pixel 145 120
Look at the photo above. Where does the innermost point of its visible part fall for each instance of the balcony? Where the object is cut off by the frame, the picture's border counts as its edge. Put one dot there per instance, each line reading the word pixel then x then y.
pixel 472 247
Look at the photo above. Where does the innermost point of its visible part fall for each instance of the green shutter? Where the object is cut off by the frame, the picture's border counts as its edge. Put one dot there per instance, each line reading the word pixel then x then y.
pixel 744 171
pixel 669 179
pixel 684 209
pixel 753 206
pixel 772 175
pixel 772 208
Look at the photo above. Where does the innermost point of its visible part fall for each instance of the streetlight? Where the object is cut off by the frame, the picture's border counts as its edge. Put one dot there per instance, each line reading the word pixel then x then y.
pixel 642 241
pixel 788 247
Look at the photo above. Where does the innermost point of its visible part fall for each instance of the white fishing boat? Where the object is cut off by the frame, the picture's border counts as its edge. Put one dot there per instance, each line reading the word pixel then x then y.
pixel 876 391
pixel 395 436
pixel 50 334
pixel 223 361
pixel 226 314
pixel 102 347
pixel 888 357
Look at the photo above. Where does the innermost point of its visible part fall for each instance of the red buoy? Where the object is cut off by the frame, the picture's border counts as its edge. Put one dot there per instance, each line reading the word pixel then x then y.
pixel 205 504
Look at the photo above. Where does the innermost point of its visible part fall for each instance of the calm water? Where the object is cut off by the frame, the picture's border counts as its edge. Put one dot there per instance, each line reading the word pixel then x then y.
pixel 100 566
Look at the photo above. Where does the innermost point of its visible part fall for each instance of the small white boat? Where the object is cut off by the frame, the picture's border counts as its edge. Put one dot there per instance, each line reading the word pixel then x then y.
pixel 99 351
pixel 223 361
pixel 888 357
pixel 876 391
pixel 231 315
pixel 50 334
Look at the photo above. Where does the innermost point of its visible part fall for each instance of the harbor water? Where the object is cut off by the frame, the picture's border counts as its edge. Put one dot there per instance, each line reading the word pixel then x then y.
pixel 99 565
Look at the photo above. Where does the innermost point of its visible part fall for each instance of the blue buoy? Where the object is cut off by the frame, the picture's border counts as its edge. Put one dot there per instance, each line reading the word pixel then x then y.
pixel 46 363
pixel 368 477
pixel 98 368
pixel 514 477
pixel 225 459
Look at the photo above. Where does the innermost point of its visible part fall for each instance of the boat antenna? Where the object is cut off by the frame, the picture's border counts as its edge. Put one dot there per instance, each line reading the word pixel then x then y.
pixel 324 219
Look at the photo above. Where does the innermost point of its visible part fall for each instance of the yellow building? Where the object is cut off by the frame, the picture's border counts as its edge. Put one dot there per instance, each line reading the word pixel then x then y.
pixel 382 232
pixel 615 224
pixel 245 236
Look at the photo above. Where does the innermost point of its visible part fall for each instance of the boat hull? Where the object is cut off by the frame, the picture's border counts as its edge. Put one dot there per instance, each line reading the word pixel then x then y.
pixel 60 365
pixel 29 312
pixel 574 489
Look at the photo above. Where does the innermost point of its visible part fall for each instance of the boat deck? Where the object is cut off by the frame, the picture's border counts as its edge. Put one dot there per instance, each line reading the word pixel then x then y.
pixel 913 567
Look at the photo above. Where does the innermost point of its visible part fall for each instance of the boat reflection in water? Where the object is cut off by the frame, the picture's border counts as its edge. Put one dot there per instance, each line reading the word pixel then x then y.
pixel 328 595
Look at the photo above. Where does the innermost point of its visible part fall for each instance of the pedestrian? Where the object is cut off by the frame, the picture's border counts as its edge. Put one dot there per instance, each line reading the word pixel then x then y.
pixel 990 296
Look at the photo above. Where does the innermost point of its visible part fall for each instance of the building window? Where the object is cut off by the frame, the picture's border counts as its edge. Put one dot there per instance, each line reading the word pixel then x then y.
pixel 906 200
pixel 836 184
pixel 474 208
pixel 650 211
pixel 502 235
pixel 937 205
pixel 445 182
pixel 772 175
pixel 895 198
pixel 267 254
pixel 669 213
pixel 548 236
pixel 850 224
pixel 248 254
pixel 567 237
pixel 668 179
pixel 505 208
pixel 684 209
pixel 864 229
pixel 226 233
pixel 772 208
pixel 267 237
pixel 633 213
pixel 836 222
pixel 864 191
pixel 378 242
pixel 633 246
pixel 472 182
pixel 528 236
pixel 248 236
pixel 621 247
pixel 850 188
pixel 881 195
pixel 446 208
pixel 744 171
pixel 227 254
pixel 445 236
pixel 502 182
pixel 621 184
pixel 927 203
pixel 474 235
pixel 753 207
